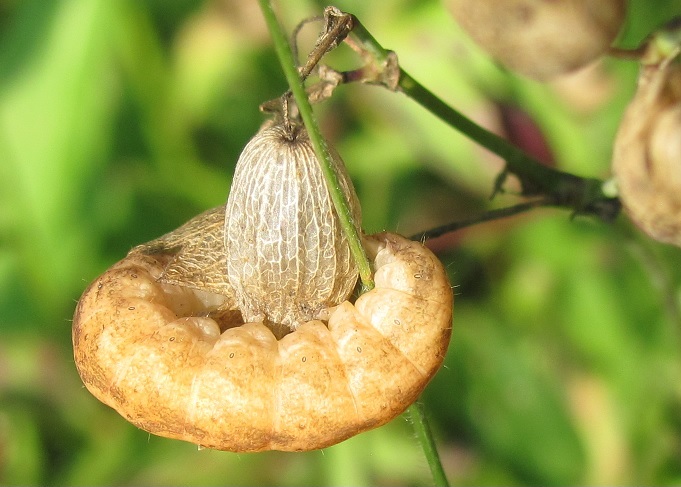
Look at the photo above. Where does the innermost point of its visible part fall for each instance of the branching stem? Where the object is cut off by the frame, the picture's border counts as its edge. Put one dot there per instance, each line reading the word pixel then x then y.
pixel 582 195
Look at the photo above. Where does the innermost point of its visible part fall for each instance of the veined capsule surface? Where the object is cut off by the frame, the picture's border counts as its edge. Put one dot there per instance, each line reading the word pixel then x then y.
pixel 288 259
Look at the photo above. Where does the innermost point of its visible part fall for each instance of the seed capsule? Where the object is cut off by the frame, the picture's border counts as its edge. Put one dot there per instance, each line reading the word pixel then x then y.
pixel 541 38
pixel 287 256
pixel 647 153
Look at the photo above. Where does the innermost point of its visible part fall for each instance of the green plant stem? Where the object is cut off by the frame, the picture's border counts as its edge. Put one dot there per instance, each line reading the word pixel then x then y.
pixel 288 65
pixel 285 55
pixel 490 215
pixel 425 436
pixel 583 195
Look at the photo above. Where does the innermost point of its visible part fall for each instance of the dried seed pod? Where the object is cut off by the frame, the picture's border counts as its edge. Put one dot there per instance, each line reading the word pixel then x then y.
pixel 647 153
pixel 195 255
pixel 288 258
pixel 541 38
pixel 151 351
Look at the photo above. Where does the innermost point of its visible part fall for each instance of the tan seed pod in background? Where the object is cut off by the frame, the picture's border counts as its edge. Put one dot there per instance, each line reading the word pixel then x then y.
pixel 541 38
pixel 647 153
pixel 175 361
pixel 288 258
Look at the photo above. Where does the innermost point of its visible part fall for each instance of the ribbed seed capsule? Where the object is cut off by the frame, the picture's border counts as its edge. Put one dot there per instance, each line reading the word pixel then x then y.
pixel 288 259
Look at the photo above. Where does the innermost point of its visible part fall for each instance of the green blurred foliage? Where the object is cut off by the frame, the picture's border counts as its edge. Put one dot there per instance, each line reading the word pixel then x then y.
pixel 121 120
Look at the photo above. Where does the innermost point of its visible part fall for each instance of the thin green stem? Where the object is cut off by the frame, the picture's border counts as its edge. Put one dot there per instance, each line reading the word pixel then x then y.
pixel 425 436
pixel 288 65
pixel 285 55
pixel 490 215
pixel 532 173
pixel 482 136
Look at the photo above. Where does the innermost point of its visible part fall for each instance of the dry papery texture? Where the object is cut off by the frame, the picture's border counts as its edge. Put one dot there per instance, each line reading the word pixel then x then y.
pixel 288 258
pixel 647 153
pixel 178 361
pixel 541 38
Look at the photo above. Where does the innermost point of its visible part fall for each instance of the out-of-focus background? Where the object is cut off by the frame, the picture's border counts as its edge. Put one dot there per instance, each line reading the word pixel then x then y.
pixel 120 120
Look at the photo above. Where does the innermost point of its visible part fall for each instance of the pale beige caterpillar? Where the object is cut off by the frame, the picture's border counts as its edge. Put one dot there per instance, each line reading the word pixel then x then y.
pixel 174 362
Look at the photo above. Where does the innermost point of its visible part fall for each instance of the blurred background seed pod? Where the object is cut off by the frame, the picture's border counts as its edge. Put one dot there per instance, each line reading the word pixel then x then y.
pixel 647 153
pixel 538 38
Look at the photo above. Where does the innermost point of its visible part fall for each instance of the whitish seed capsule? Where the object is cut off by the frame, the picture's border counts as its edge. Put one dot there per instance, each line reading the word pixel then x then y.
pixel 288 259
pixel 541 38
pixel 647 153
